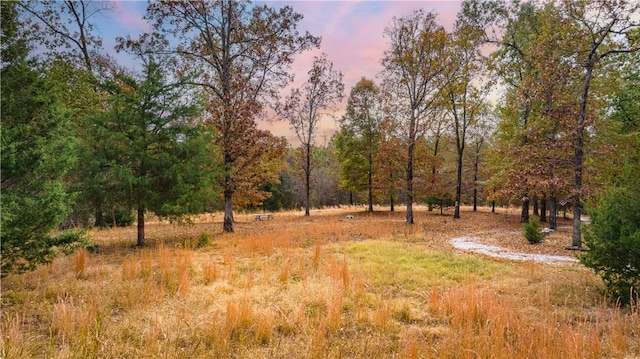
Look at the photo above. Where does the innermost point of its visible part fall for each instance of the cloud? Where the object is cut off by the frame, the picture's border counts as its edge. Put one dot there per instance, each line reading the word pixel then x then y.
pixel 352 37
pixel 129 16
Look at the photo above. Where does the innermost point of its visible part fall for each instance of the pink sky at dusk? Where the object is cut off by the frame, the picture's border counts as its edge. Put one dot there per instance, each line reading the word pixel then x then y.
pixel 352 38
pixel 351 31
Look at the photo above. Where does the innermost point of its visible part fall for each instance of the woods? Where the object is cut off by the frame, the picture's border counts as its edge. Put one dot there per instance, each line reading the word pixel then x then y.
pixel 518 103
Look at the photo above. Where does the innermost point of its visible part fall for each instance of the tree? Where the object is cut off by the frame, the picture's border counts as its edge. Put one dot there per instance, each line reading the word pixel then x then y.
pixel 37 150
pixel 613 236
pixel 464 99
pixel 415 69
pixel 65 30
pixel 529 37
pixel 389 161
pixel 258 165
pixel 604 29
pixel 358 140
pixel 542 161
pixel 304 107
pixel 67 25
pixel 613 239
pixel 613 139
pixel 157 154
pixel 240 53
pixel 432 162
pixel 480 137
pixel 532 137
pixel 326 178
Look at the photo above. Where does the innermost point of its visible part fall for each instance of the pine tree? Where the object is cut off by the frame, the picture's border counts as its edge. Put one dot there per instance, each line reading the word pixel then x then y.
pixel 38 150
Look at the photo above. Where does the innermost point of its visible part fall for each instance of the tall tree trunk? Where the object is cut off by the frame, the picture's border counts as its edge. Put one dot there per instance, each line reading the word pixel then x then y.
pixel 99 217
pixel 436 147
pixel 543 209
pixel 476 161
pixel 370 189
pixel 227 190
pixel 227 226
pixel 493 202
pixel 409 217
pixel 351 198
pixel 524 217
pixel 576 237
pixel 553 212
pixel 536 212
pixel 456 211
pixel 307 179
pixel 141 241
pixel 475 184
pixel 475 199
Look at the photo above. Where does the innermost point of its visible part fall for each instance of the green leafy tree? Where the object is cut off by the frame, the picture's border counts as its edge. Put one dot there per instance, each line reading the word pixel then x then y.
pixel 613 239
pixel 157 156
pixel 274 202
pixel 614 137
pixel 613 236
pixel 532 230
pixel 37 149
pixel 358 140
pixel 604 29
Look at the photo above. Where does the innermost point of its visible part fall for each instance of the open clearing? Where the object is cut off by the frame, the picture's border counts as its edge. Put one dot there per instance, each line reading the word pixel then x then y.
pixel 327 286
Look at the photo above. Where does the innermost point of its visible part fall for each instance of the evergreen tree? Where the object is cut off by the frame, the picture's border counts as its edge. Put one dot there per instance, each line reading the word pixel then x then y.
pixel 38 150
pixel 155 155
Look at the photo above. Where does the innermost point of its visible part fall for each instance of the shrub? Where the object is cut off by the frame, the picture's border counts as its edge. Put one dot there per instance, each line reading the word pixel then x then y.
pixel 532 230
pixel 38 250
pixel 613 242
pixel 204 240
pixel 444 202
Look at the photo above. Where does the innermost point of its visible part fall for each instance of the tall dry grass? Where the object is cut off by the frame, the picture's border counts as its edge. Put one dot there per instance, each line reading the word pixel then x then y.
pixel 317 287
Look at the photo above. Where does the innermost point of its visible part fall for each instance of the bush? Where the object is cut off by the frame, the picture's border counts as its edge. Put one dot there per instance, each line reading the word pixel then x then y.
pixel 39 250
pixel 613 242
pixel 204 240
pixel 532 230
pixel 441 203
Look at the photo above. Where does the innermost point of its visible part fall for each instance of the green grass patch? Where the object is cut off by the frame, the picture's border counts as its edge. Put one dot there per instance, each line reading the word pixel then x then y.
pixel 410 267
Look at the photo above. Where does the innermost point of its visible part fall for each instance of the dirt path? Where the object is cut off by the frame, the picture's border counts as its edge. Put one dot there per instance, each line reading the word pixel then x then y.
pixel 473 245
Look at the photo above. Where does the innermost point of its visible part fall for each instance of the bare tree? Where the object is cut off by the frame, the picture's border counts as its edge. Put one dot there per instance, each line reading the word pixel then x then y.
pixel 304 107
pixel 67 25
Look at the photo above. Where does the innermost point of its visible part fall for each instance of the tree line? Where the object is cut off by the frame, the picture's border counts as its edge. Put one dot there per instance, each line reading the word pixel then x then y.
pixel 521 102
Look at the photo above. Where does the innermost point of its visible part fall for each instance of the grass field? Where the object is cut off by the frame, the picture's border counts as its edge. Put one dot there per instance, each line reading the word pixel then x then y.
pixel 318 287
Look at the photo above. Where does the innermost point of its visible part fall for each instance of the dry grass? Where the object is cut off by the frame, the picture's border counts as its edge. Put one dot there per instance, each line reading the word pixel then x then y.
pixel 318 287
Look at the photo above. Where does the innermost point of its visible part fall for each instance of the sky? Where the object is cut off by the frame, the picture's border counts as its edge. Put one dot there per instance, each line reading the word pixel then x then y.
pixel 351 31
